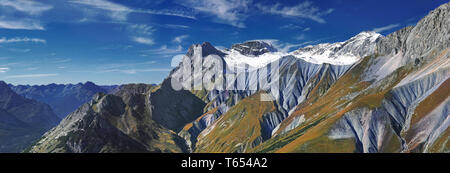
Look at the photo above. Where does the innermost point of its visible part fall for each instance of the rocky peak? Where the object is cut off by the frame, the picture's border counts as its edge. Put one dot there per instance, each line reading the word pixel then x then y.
pixel 431 32
pixel 253 48
pixel 207 49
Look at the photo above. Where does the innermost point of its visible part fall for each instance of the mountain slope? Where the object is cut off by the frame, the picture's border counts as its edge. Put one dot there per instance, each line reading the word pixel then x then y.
pixel 379 105
pixel 127 121
pixel 22 120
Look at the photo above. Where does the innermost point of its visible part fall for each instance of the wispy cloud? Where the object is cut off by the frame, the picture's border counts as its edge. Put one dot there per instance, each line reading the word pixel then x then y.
pixel 176 26
pixel 295 27
pixel 116 11
pixel 25 24
pixel 19 50
pixel 31 75
pixel 25 39
pixel 141 29
pixel 166 12
pixel 62 60
pixel 143 40
pixel 27 17
pixel 232 12
pixel 300 37
pixel 305 10
pixel 385 28
pixel 166 50
pixel 180 38
pixel 4 69
pixel 291 26
pixel 26 6
pixel 120 12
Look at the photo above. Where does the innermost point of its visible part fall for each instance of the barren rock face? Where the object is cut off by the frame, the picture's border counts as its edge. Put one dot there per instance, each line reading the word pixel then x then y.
pixel 253 48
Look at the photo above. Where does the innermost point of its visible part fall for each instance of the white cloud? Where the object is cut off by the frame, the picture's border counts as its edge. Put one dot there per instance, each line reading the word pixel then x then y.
pixel 31 76
pixel 141 29
pixel 180 38
pixel 305 10
pixel 120 12
pixel 25 24
pixel 300 37
pixel 27 19
pixel 4 69
pixel 25 39
pixel 165 50
pixel 178 13
pixel 143 40
pixel 176 26
pixel 232 12
pixel 116 11
pixel 291 26
pixel 295 27
pixel 385 28
pixel 26 6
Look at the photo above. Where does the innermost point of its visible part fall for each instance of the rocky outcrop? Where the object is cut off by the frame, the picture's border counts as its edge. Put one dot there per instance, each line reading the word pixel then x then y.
pixel 112 123
pixel 253 48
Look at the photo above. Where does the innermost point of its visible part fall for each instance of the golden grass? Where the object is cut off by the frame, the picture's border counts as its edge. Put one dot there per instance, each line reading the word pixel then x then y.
pixel 431 102
pixel 237 129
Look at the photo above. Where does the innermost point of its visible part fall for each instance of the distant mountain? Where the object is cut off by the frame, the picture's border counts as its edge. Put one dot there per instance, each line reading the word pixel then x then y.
pixel 63 99
pixel 22 120
pixel 371 93
pixel 137 118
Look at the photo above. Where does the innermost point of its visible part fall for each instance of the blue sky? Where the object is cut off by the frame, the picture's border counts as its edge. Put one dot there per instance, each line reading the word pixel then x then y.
pixel 123 41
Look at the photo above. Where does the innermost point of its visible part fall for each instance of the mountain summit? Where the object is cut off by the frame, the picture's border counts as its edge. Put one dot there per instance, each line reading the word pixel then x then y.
pixel 253 48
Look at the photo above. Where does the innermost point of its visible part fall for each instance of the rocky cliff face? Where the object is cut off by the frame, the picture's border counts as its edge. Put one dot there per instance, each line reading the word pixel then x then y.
pixel 22 120
pixel 253 48
pixel 137 118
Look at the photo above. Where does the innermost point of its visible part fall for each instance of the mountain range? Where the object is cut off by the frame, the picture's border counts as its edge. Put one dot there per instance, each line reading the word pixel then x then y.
pixel 371 93
pixel 63 99
pixel 22 120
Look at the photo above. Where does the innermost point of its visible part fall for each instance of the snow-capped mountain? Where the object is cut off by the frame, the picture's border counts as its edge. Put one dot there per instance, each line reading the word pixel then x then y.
pixel 341 53
pixel 368 94
pixel 258 53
